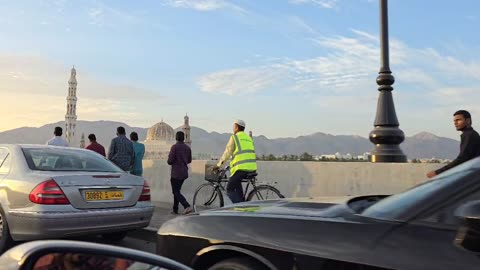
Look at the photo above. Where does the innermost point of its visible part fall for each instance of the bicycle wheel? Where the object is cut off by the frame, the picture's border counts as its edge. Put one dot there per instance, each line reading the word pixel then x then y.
pixel 207 197
pixel 264 192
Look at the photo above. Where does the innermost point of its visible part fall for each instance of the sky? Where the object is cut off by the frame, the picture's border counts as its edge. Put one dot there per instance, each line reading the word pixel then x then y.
pixel 286 67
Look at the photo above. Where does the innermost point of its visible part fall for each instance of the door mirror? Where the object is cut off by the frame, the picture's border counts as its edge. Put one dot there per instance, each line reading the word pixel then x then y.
pixel 468 235
pixel 74 255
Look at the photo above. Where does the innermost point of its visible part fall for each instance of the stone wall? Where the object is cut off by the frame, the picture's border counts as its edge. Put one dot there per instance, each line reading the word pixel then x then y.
pixel 303 179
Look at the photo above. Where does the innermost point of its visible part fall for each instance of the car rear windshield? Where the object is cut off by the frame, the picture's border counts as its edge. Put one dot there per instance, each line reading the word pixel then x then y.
pixel 64 159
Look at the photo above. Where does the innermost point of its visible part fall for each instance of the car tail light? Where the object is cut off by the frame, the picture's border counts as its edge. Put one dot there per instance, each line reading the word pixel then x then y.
pixel 48 192
pixel 145 192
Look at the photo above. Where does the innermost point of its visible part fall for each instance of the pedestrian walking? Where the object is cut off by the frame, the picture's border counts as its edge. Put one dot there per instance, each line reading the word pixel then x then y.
pixel 179 157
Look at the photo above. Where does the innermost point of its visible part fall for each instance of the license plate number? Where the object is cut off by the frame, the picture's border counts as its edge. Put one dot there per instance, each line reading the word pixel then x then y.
pixel 103 195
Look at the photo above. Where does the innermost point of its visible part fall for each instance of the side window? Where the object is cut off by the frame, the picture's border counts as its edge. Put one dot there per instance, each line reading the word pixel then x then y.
pixel 5 168
pixel 446 215
pixel 3 155
pixel 4 160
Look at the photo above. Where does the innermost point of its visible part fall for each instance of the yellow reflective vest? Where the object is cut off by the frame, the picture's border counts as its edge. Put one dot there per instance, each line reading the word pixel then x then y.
pixel 244 158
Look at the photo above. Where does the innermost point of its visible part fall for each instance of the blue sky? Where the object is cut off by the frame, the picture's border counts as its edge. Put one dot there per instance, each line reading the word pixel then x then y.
pixel 287 67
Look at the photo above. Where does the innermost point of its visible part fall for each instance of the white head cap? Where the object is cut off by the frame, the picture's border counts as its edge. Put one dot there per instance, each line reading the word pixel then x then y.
pixel 240 122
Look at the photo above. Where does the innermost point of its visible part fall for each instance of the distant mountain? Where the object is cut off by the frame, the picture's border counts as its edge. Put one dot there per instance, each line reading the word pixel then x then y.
pixel 422 145
pixel 428 145
pixel 103 130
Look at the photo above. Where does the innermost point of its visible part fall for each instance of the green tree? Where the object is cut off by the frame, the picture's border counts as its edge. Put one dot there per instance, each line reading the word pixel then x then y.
pixel 293 158
pixel 306 157
pixel 271 157
pixel 284 157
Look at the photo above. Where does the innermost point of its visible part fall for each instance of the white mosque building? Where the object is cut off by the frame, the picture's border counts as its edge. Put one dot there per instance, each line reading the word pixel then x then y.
pixel 161 137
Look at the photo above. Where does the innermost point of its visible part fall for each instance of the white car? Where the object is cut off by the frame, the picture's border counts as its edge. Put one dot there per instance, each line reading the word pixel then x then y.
pixel 54 192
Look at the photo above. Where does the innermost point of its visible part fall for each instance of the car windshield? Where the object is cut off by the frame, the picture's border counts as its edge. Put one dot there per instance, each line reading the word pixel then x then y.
pixel 51 159
pixel 392 207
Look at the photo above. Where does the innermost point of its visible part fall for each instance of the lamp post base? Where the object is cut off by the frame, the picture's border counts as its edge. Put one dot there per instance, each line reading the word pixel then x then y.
pixel 387 140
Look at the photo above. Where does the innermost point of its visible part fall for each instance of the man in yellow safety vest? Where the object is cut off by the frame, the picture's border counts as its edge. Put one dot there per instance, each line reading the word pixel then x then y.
pixel 241 150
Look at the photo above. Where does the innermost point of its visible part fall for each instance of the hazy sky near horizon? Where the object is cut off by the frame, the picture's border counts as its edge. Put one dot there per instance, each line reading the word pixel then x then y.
pixel 286 67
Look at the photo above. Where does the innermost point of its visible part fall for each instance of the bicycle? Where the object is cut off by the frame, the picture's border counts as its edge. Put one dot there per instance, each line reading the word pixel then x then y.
pixel 210 195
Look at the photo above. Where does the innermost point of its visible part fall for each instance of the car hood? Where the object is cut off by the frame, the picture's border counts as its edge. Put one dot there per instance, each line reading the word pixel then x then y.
pixel 328 207
pixel 319 207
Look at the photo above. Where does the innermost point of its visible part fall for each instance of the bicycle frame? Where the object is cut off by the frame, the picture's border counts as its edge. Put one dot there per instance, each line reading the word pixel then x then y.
pixel 224 179
pixel 254 187
pixel 218 181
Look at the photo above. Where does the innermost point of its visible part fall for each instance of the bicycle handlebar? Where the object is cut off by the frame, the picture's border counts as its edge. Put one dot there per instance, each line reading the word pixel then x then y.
pixel 219 170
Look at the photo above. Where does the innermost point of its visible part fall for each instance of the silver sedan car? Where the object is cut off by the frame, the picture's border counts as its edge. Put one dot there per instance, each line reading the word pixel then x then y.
pixel 54 192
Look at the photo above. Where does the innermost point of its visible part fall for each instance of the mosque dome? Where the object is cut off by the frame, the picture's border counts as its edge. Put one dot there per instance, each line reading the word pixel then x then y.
pixel 161 132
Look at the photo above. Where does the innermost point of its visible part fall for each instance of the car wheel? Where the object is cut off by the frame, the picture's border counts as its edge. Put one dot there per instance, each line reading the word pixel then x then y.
pixel 5 237
pixel 116 236
pixel 242 263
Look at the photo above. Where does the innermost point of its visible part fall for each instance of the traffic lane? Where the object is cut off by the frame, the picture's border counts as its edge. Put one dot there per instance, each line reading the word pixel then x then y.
pixel 128 242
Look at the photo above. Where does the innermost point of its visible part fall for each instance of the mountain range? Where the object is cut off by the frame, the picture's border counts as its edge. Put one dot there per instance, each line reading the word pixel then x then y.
pixel 422 145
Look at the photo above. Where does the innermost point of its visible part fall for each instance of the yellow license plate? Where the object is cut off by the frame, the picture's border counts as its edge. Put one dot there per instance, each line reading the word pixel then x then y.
pixel 103 195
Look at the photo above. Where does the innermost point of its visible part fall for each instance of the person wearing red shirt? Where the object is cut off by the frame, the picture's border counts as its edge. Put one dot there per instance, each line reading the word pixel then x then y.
pixel 94 146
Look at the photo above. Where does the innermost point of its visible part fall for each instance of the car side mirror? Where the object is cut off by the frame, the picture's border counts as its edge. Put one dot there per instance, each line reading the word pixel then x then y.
pixel 67 255
pixel 468 234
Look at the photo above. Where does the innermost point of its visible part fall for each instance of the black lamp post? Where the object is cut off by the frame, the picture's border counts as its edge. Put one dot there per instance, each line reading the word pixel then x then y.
pixel 386 135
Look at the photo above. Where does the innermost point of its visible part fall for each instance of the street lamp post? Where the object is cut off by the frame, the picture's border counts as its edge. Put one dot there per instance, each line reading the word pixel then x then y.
pixel 386 134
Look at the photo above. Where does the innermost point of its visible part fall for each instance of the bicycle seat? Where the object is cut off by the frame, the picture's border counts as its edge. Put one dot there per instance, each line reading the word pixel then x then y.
pixel 251 175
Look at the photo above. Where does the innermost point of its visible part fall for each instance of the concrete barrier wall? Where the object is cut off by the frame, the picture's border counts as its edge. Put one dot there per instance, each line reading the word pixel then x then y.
pixel 303 179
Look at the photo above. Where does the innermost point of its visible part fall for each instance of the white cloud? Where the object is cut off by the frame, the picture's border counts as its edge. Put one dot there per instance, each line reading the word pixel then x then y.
pixel 425 78
pixel 349 64
pixel 416 76
pixel 102 14
pixel 456 96
pixel 452 66
pixel 96 16
pixel 203 5
pixel 34 89
pixel 366 35
pixel 59 4
pixel 301 24
pixel 241 81
pixel 321 3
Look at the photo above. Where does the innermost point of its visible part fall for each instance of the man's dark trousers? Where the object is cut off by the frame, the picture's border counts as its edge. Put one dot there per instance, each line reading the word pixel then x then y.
pixel 177 196
pixel 234 186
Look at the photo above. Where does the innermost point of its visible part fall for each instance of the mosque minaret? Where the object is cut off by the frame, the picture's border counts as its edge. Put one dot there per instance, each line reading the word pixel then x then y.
pixel 71 115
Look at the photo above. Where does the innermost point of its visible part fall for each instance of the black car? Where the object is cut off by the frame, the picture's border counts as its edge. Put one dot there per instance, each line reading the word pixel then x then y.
pixel 435 225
